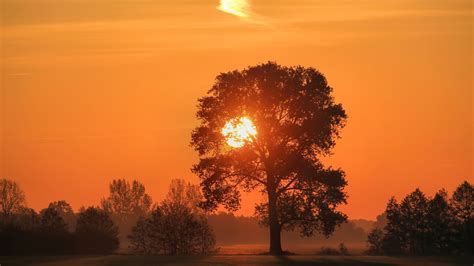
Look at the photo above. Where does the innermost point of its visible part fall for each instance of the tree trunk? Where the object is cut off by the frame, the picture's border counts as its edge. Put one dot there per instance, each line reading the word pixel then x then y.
pixel 274 224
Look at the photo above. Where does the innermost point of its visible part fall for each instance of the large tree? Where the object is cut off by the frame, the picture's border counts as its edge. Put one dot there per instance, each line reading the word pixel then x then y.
pixel 297 122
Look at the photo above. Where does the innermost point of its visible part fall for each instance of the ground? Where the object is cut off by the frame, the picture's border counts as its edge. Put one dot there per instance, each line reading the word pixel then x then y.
pixel 230 260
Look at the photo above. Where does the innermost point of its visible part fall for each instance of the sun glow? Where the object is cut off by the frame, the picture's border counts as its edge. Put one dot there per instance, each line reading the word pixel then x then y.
pixel 238 131
pixel 235 7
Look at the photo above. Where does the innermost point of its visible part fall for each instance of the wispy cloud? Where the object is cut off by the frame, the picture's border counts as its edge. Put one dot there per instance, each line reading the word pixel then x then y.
pixel 241 9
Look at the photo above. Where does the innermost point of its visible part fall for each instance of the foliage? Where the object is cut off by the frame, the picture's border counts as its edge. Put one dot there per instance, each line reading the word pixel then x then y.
pixel 95 232
pixel 440 224
pixel 51 222
pixel 26 232
pixel 65 211
pixel 12 198
pixel 126 200
pixel 186 194
pixel 462 210
pixel 375 242
pixel 125 204
pixel 421 225
pixel 297 122
pixel 175 226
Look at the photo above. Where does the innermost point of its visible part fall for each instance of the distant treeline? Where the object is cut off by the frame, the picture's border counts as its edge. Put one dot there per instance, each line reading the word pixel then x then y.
pixel 27 232
pixel 127 220
pixel 174 226
pixel 419 225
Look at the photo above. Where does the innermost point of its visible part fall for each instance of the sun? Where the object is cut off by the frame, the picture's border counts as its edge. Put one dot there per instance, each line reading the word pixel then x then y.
pixel 238 131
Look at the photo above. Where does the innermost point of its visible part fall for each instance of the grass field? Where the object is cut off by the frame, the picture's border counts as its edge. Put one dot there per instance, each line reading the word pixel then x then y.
pixel 230 260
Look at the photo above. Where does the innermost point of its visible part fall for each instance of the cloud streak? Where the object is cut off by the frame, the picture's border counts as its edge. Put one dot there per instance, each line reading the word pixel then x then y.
pixel 239 8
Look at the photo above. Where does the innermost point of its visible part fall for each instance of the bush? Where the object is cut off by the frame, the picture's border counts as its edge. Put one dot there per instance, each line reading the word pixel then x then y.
pixel 327 251
pixel 343 249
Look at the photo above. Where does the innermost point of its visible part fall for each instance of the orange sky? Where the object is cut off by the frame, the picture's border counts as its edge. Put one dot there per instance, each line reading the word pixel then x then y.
pixel 97 90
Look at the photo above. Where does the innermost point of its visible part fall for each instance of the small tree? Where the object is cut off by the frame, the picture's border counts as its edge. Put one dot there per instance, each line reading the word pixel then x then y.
pixel 297 122
pixel 12 197
pixel 96 232
pixel 184 232
pixel 65 211
pixel 51 222
pixel 27 219
pixel 186 194
pixel 462 202
pixel 394 238
pixel 140 240
pixel 176 226
pixel 126 200
pixel 413 212
pixel 54 237
pixel 126 203
pixel 440 224
pixel 375 242
pixel 462 206
pixel 343 249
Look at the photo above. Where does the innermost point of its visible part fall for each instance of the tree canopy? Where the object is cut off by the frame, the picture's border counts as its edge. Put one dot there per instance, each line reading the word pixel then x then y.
pixel 175 226
pixel 12 198
pixel 126 200
pixel 297 122
pixel 419 225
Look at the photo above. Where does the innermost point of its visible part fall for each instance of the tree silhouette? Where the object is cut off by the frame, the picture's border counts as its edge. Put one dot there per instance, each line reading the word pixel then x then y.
pixel 186 194
pixel 462 202
pixel 65 211
pixel 53 236
pixel 95 231
pixel 27 219
pixel 175 226
pixel 395 236
pixel 375 242
pixel 413 211
pixel 421 225
pixel 126 203
pixel 297 122
pixel 12 197
pixel 183 232
pixel 126 200
pixel 140 239
pixel 440 224
pixel 51 222
pixel 462 205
